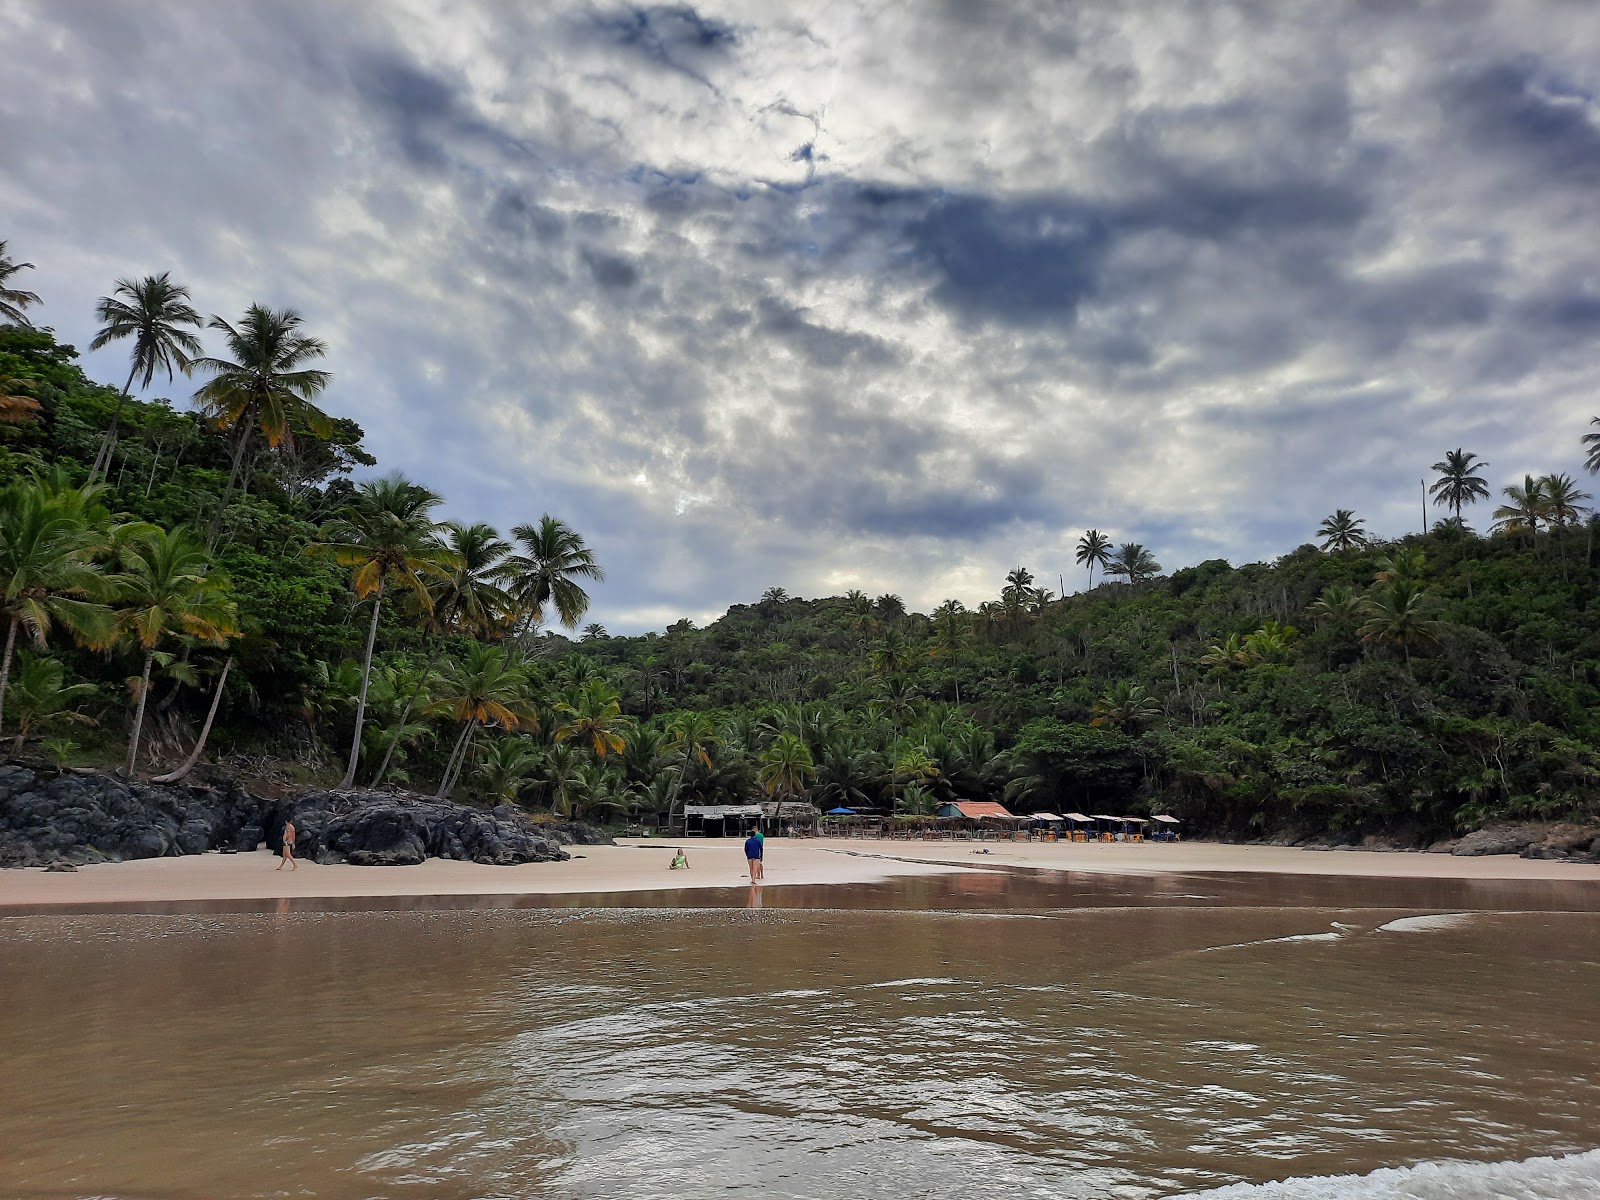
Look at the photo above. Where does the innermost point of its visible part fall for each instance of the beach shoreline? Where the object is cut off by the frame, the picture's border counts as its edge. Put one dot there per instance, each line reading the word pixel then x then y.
pixel 641 865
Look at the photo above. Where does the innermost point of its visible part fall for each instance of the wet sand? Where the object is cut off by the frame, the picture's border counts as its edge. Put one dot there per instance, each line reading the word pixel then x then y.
pixel 638 865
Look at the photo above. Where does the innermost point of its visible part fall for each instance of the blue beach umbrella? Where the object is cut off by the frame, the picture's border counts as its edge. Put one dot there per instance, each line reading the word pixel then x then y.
pixel 841 812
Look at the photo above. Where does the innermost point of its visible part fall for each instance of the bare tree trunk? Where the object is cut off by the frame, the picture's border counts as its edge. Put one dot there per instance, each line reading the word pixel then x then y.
pixel 151 482
pixel 405 716
pixel 5 665
pixel 205 731
pixel 366 674
pixel 102 457
pixel 138 714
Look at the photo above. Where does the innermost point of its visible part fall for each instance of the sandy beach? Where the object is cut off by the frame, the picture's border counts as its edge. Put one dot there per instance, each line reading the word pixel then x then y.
pixel 641 865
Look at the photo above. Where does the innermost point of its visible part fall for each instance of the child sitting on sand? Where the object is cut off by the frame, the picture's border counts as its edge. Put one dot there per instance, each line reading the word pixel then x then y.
pixel 680 861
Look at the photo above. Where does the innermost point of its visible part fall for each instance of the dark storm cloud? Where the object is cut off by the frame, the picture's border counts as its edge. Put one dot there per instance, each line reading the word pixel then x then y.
pixel 1528 110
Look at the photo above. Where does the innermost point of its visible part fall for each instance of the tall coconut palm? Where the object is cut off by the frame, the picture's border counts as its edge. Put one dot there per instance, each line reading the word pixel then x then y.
pixel 1135 562
pixel 181 771
pixel 1458 484
pixel 1094 549
pixel 13 300
pixel 464 601
pixel 167 590
pixel 545 570
pixel 1526 508
pixel 1561 500
pixel 1343 531
pixel 265 386
pixel 153 312
pixel 48 576
pixel 386 535
pixel 480 689
pixel 694 736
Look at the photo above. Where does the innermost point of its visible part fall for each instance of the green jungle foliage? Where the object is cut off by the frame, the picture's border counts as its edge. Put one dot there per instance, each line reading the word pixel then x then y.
pixel 174 579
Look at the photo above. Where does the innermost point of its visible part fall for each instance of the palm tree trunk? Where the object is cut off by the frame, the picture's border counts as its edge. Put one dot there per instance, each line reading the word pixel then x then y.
pixel 138 714
pixel 466 751
pixel 447 779
pixel 248 431
pixel 103 457
pixel 366 674
pixel 5 665
pixel 405 716
pixel 205 731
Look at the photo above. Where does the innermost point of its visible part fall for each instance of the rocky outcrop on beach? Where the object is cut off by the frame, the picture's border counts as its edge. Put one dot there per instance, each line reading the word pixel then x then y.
pixel 373 830
pixel 1564 841
pixel 74 818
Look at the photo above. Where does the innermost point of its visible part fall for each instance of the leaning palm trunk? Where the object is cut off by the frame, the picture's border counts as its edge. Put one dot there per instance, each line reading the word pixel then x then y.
pixel 366 674
pixel 447 780
pixel 249 428
pixel 205 731
pixel 466 752
pixel 102 458
pixel 138 714
pixel 405 716
pixel 5 665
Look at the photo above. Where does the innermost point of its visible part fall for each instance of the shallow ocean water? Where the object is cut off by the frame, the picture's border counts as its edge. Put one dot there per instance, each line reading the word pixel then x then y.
pixel 1021 1034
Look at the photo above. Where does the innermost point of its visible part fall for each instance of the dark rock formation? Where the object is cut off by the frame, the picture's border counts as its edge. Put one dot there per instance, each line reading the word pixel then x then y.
pixel 76 818
pixel 1568 842
pixel 81 818
pixel 370 829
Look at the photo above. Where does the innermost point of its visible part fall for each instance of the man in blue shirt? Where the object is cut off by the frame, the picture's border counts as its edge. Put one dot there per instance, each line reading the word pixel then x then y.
pixel 753 846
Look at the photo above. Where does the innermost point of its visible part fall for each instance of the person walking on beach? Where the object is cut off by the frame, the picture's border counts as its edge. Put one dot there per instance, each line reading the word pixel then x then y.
pixel 288 847
pixel 753 847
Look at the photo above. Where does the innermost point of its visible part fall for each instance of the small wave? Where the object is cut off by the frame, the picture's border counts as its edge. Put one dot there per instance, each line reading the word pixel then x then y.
pixel 1573 1177
pixel 1422 924
pixel 1293 937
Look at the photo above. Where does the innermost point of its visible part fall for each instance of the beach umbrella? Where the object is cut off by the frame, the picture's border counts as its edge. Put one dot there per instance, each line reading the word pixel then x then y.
pixel 841 812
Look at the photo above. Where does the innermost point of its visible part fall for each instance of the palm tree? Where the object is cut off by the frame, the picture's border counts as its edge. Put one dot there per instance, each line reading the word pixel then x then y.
pixel 786 767
pixel 1591 460
pixel 47 573
pixel 153 312
pixel 1338 605
pixel 168 589
pixel 1134 561
pixel 1561 497
pixel 12 300
pixel 552 560
pixel 479 689
pixel 1397 613
pixel 1527 506
pixel 41 694
pixel 266 386
pixel 1125 706
pixel 1457 484
pixel 468 599
pixel 1343 531
pixel 693 735
pixel 593 716
pixel 182 770
pixel 1094 549
pixel 890 607
pixel 892 654
pixel 507 767
pixel 387 534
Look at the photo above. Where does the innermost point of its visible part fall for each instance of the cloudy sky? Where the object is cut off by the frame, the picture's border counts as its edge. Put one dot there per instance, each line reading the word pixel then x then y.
pixel 857 294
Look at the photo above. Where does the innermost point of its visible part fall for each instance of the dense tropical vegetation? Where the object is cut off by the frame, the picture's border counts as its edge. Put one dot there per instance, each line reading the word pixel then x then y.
pixel 206 580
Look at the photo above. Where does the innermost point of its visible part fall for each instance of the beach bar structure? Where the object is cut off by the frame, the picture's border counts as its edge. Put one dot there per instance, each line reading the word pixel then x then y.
pixel 721 820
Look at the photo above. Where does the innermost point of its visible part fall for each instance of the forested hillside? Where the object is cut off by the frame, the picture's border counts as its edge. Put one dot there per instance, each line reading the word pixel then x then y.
pixel 203 580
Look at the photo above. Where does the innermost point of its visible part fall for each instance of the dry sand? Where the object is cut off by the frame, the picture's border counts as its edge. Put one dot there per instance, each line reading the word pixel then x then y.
pixel 641 865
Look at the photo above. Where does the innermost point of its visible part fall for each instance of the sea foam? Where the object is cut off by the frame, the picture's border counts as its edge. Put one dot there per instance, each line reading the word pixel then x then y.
pixel 1572 1177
